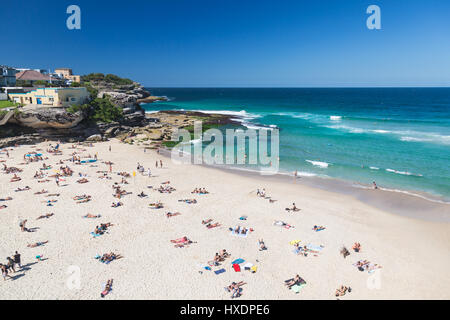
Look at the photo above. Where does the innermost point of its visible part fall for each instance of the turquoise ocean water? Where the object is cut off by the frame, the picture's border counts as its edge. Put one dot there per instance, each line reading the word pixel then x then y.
pixel 398 137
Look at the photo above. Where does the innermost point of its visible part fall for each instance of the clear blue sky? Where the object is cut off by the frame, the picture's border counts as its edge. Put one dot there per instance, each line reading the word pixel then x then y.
pixel 167 43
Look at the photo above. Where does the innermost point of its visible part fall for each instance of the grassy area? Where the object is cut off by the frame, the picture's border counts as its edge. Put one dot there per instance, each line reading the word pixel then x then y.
pixel 7 104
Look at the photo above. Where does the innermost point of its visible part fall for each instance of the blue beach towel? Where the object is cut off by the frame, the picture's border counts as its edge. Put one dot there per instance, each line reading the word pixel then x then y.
pixel 219 271
pixel 238 261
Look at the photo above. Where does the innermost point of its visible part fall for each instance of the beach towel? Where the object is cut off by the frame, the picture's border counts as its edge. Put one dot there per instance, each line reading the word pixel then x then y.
pixel 236 268
pixel 219 271
pixel 248 265
pixel 311 247
pixel 253 269
pixel 233 233
pixel 203 266
pixel 238 261
pixel 95 235
pixel 296 288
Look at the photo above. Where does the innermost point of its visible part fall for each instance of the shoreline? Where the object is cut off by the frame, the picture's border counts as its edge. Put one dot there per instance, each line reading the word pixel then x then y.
pixel 322 181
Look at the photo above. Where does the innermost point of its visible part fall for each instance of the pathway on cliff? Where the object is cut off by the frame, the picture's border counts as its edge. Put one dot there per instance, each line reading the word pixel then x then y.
pixel 6 117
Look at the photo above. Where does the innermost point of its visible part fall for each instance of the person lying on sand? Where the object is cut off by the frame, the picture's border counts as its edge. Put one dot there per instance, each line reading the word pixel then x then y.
pixel 261 245
pixel 356 247
pixel 41 192
pixel 91 216
pixel 83 180
pixel 342 290
pixel 188 201
pixel 48 215
pixel 22 189
pixel 292 282
pixel 118 204
pixel 15 178
pixel 108 257
pixel 181 242
pixel 344 251
pixel 207 221
pixel 318 228
pixel 235 289
pixel 294 208
pixel 210 226
pixel 142 195
pixel 157 205
pixel 6 199
pixel 37 244
pixel 282 224
pixel 107 289
pixel 170 214
pixel 3 207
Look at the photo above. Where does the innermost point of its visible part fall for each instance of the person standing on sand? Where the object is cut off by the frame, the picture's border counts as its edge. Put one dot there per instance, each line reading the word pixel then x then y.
pixel 149 173
pixel 4 271
pixel 156 163
pixel 17 259
pixel 11 264
pixel 160 163
pixel 109 148
pixel 375 185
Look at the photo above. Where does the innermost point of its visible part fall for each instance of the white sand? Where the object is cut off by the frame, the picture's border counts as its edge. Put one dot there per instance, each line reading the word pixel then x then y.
pixel 414 254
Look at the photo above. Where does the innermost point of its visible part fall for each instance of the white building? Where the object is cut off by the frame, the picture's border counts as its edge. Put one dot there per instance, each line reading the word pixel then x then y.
pixel 7 76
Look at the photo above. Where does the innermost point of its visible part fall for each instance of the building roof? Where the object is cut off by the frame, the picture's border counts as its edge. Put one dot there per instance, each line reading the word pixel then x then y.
pixel 32 76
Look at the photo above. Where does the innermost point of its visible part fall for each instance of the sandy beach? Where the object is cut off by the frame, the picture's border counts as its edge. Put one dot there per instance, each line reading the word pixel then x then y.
pixel 413 253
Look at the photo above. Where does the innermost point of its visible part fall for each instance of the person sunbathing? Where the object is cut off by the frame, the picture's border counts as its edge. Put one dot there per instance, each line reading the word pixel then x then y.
pixel 294 208
pixel 318 228
pixel 3 207
pixel 83 180
pixel 6 199
pixel 142 195
pixel 195 191
pixel 48 215
pixel 261 245
pixel 41 192
pixel 37 244
pixel 294 281
pixel 362 265
pixel 344 251
pixel 118 204
pixel 342 290
pixel 170 214
pixel 223 253
pixel 105 226
pixel 157 205
pixel 181 242
pixel 356 247
pixel 207 221
pixel 15 178
pixel 235 289
pixel 108 288
pixel 98 230
pixel 91 216
pixel 217 259
pixel 210 226
pixel 244 230
pixel 22 189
